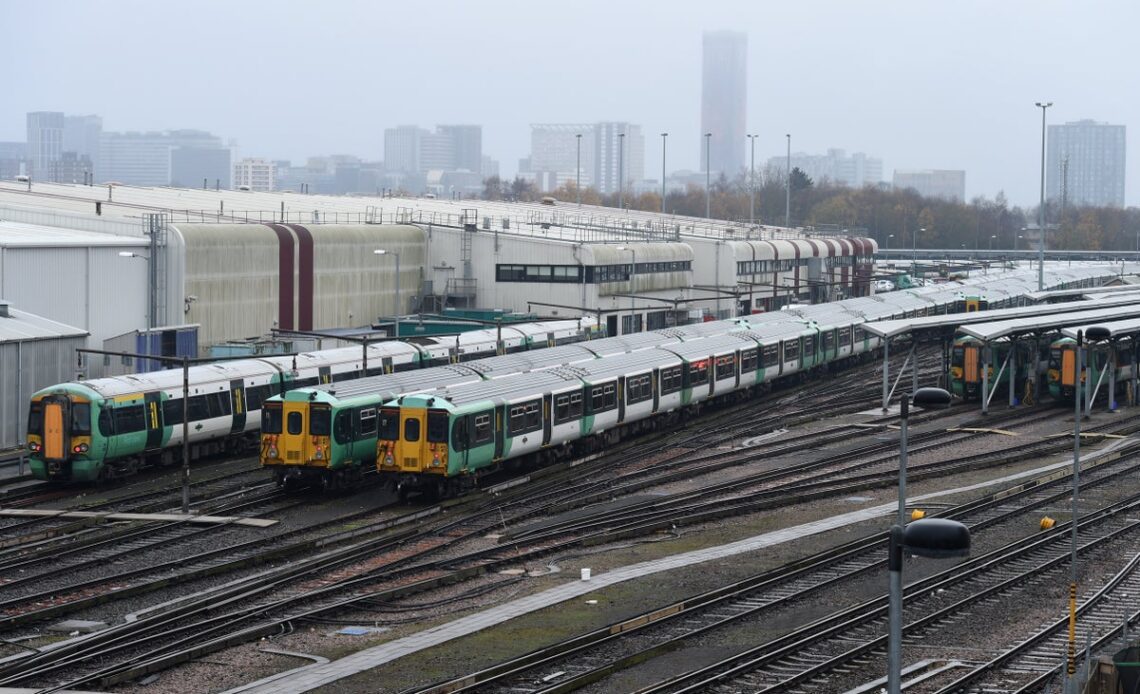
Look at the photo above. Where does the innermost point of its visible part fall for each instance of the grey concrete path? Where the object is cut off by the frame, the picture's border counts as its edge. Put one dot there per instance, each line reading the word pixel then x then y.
pixel 312 676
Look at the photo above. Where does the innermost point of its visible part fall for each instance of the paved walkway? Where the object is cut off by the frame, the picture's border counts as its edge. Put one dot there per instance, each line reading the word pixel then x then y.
pixel 310 677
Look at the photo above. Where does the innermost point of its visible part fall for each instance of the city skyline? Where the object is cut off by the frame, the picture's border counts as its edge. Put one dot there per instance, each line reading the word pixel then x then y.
pixel 872 78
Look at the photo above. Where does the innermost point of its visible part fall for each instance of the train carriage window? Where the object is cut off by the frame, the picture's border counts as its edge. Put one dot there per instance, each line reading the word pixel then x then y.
pixel 293 423
pixel 342 427
pixel 411 429
pixel 770 356
pixel 576 405
pixel 809 346
pixel 129 419
pixel 534 415
pixel 525 417
pixel 845 337
pixel 437 426
pixel 698 373
pixel 389 424
pixel 725 366
pixel 748 360
pixel 829 340
pixel 320 420
pixel 36 418
pixel 638 388
pixel 610 395
pixel 270 416
pixel 81 419
pixel 792 350
pixel 218 404
pixel 597 399
pixel 671 380
pixel 253 398
pixel 483 427
pixel 367 419
pixel 199 410
pixel 859 333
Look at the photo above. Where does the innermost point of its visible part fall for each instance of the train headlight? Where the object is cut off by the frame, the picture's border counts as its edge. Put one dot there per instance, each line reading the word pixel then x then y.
pixel 435 461
pixel 273 451
pixel 34 447
pixel 81 448
pixel 320 455
pixel 388 459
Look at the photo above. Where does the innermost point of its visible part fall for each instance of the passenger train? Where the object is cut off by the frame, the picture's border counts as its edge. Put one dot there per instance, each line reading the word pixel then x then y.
pixel 440 440
pixel 110 427
pixel 1062 373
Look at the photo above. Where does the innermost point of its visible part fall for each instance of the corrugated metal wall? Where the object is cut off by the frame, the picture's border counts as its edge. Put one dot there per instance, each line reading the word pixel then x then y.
pixel 26 367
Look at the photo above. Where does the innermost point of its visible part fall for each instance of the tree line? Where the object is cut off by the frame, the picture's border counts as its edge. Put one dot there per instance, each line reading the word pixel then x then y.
pixel 894 218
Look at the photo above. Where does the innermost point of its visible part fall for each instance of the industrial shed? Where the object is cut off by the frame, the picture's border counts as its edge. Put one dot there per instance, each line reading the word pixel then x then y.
pixel 242 280
pixel 34 353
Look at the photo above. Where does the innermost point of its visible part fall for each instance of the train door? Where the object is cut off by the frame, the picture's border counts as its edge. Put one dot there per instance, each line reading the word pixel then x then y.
pixel 56 443
pixel 324 374
pixel 971 364
pixel 499 434
pixel 546 410
pixel 237 395
pixel 152 411
pixel 294 444
pixel 621 398
pixel 653 381
pixel 1068 367
pixel 712 374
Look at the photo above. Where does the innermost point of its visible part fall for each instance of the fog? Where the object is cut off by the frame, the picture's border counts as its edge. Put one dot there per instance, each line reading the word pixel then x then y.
pixel 948 85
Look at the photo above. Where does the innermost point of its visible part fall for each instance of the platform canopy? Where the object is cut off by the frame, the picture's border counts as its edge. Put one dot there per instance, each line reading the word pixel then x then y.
pixel 1080 293
pixel 949 323
pixel 1128 327
pixel 995 330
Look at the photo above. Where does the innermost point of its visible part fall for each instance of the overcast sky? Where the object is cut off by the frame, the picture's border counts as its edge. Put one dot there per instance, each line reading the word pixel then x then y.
pixel 919 84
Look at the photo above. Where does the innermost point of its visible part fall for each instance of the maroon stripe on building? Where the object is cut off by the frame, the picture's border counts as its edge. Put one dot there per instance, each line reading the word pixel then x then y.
pixel 284 276
pixel 305 277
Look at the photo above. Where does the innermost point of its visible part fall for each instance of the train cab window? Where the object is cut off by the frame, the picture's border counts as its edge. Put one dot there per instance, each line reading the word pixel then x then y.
pixel 129 419
pixel 748 360
pixel 342 427
pixel 389 424
pixel 106 425
pixel 293 423
pixel 320 421
pixel 725 366
pixel 411 429
pixel 958 356
pixel 36 419
pixel 809 346
pixel 81 419
pixel 270 417
pixel 859 333
pixel 844 337
pixel 828 340
pixel 367 418
pixel 483 427
pixel 437 426
pixel 1054 359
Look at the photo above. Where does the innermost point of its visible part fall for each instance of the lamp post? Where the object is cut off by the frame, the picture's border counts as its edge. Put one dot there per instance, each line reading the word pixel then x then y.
pixel 914 250
pixel 632 272
pixel 663 136
pixel 889 237
pixel 396 325
pixel 992 237
pixel 152 296
pixel 752 181
pixel 578 170
pixel 788 192
pixel 621 172
pixel 1041 208
pixel 708 177
pixel 928 537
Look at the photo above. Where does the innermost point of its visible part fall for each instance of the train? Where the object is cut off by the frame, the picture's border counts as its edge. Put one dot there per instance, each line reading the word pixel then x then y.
pixel 106 428
pixel 441 440
pixel 1062 369
pixel 966 377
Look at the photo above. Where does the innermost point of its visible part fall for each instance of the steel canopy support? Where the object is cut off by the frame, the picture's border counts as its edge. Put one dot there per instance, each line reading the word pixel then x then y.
pixel 902 370
pixel 985 379
pixel 1135 343
pixel 886 372
pixel 986 393
pixel 1012 373
pixel 1112 376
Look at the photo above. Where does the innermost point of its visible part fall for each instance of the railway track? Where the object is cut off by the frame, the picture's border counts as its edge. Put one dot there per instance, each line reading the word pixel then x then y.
pixel 590 658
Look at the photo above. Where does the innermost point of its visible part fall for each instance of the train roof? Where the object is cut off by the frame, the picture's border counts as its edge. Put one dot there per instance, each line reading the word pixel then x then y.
pixel 493 367
pixel 709 346
pixel 507 388
pixel 627 343
pixel 171 379
pixel 622 364
pixel 389 386
pixel 994 330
